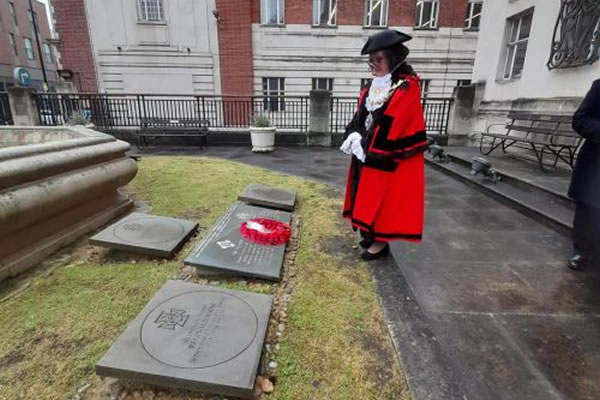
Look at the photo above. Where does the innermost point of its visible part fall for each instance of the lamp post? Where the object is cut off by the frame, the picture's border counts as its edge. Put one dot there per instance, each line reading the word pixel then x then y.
pixel 39 46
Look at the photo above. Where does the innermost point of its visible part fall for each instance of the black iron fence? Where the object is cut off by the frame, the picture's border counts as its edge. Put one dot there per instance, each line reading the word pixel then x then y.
pixel 5 113
pixel 437 113
pixel 124 111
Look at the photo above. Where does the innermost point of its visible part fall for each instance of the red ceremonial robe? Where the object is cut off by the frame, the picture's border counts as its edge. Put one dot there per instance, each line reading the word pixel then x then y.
pixel 385 196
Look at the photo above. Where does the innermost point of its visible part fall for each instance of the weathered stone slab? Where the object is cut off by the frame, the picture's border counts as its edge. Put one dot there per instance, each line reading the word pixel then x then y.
pixel 225 250
pixel 193 337
pixel 268 196
pixel 146 234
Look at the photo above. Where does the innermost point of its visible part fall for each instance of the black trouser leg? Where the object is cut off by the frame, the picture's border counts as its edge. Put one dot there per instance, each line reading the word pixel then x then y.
pixel 586 230
pixel 366 235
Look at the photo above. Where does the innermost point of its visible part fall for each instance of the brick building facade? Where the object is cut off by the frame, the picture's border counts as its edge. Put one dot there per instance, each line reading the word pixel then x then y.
pixel 75 47
pixel 18 47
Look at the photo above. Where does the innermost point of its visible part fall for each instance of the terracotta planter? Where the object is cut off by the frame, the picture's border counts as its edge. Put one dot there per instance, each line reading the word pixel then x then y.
pixel 263 139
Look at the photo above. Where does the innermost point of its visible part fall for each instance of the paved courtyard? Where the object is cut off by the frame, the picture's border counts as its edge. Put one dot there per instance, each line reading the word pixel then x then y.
pixel 485 308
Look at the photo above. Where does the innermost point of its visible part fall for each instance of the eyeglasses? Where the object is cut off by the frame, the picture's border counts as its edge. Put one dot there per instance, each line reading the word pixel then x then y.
pixel 375 61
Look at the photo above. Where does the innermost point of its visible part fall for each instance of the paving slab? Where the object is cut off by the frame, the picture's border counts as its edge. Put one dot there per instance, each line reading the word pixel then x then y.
pixel 224 250
pixel 194 337
pixel 513 322
pixel 269 196
pixel 146 234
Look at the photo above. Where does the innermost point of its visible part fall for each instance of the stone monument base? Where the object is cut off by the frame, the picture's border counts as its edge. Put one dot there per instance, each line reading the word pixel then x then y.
pixel 56 184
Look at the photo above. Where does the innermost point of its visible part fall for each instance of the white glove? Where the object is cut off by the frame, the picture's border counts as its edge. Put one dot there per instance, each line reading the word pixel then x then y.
pixel 358 151
pixel 347 145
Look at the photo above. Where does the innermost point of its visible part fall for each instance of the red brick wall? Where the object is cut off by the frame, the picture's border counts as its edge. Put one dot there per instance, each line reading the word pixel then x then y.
pixel 75 46
pixel 235 47
pixel 255 11
pixel 351 12
pixel 452 13
pixel 298 11
pixel 402 12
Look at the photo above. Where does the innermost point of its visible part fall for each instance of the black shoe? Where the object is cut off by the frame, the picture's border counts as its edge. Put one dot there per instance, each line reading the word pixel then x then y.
pixel 577 262
pixel 366 256
pixel 365 243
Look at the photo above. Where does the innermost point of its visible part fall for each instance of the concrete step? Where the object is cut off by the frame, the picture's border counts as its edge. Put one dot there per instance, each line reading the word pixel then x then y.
pixel 551 208
pixel 514 179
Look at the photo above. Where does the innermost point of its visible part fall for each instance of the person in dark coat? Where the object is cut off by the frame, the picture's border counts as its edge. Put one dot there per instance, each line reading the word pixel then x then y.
pixel 585 184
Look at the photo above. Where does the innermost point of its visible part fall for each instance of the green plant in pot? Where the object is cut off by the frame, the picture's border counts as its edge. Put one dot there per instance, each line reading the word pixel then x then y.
pixel 262 134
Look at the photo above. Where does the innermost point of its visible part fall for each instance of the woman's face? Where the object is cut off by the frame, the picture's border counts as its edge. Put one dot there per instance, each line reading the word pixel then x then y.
pixel 380 66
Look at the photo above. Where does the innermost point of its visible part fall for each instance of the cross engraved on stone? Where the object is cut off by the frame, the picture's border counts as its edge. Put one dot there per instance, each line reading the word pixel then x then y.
pixel 172 319
pixel 226 244
pixel 133 227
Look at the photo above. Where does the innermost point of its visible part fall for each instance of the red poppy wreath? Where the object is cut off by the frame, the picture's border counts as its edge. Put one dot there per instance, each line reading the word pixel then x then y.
pixel 265 231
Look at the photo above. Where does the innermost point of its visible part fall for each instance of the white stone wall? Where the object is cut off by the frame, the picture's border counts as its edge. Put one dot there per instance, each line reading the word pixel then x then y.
pixel 536 81
pixel 299 53
pixel 180 56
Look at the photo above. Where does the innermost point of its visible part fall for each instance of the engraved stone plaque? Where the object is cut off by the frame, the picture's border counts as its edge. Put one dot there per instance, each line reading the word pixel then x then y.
pixel 226 251
pixel 146 234
pixel 195 337
pixel 268 196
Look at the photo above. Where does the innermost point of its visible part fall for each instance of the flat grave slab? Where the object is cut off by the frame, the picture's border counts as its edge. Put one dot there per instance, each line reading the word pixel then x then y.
pixel 146 234
pixel 268 196
pixel 224 249
pixel 194 337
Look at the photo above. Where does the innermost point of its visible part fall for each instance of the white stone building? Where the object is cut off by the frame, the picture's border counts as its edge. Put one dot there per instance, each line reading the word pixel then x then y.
pixel 513 67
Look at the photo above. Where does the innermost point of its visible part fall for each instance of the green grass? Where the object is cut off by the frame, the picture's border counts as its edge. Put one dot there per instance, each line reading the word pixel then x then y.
pixel 335 346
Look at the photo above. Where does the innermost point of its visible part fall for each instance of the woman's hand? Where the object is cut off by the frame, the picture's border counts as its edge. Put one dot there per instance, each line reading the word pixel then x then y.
pixel 347 145
pixel 358 150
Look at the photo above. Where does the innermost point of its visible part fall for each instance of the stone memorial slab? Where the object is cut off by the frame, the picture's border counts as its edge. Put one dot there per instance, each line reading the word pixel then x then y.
pixel 225 250
pixel 146 234
pixel 193 337
pixel 268 196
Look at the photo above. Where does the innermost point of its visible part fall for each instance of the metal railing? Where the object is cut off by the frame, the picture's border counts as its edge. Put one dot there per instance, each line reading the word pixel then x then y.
pixel 128 111
pixel 289 113
pixel 5 113
pixel 436 110
pixel 437 114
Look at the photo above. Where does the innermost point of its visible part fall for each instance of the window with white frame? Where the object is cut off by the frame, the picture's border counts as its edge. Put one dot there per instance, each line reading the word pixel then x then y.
pixel 47 53
pixel 151 10
pixel 273 92
pixel 272 12
pixel 322 84
pixel 30 19
pixel 324 12
pixel 518 29
pixel 13 44
pixel 13 13
pixel 473 17
pixel 463 82
pixel 376 13
pixel 29 49
pixel 425 83
pixel 427 14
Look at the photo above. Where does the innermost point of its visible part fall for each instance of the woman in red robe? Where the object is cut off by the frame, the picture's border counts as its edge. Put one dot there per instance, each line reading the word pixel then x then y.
pixel 386 183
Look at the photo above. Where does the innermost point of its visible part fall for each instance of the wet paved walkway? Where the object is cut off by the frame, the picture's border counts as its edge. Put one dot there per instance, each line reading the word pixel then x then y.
pixel 484 308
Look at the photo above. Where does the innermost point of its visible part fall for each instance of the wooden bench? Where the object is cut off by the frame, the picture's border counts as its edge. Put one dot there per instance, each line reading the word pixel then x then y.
pixel 544 134
pixel 152 129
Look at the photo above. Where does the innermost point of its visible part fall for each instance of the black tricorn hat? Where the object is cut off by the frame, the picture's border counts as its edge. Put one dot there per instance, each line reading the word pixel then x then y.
pixel 383 40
